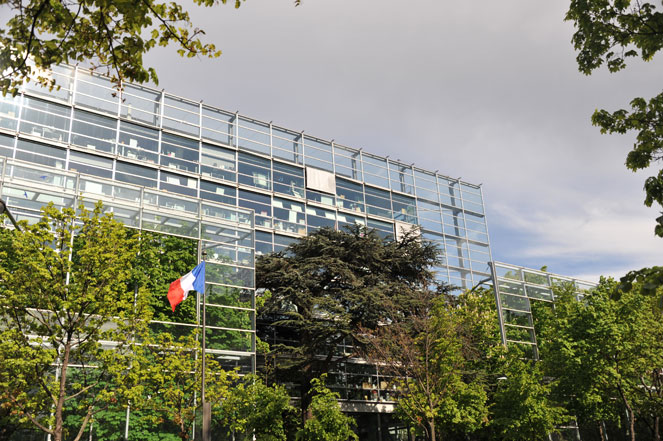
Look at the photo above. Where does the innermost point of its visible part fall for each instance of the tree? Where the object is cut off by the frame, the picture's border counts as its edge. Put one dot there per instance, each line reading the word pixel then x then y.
pixel 330 285
pixel 113 35
pixel 610 32
pixel 171 369
pixel 327 422
pixel 605 353
pixel 255 409
pixel 435 350
pixel 63 291
pixel 523 408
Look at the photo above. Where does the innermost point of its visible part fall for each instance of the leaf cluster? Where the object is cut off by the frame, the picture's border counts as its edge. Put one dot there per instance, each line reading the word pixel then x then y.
pixel 109 34
pixel 605 352
pixel 63 291
pixel 610 31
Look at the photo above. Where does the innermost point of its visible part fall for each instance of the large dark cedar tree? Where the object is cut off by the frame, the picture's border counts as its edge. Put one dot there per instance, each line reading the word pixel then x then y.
pixel 328 286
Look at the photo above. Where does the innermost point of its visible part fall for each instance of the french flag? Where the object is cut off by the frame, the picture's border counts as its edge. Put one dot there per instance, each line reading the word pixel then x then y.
pixel 180 288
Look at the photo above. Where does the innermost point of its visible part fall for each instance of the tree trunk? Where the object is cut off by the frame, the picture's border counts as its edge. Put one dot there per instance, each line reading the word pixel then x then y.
pixel 632 423
pixel 657 428
pixel 431 424
pixel 59 407
pixel 601 430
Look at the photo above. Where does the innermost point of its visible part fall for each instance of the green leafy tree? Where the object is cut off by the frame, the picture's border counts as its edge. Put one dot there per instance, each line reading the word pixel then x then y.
pixel 112 35
pixel 63 291
pixel 170 370
pixel 440 351
pixel 327 287
pixel 610 32
pixel 327 422
pixel 522 406
pixel 255 409
pixel 605 353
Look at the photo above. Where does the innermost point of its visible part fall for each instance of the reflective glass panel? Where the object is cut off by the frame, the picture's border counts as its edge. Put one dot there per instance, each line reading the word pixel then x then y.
pixel 255 171
pixel 93 131
pixel 218 163
pixel 179 153
pixel 288 179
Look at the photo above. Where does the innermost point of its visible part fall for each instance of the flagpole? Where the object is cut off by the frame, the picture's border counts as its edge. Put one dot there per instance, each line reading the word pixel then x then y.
pixel 207 411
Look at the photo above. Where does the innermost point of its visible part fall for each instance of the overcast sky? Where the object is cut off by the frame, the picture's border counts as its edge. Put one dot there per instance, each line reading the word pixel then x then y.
pixel 487 91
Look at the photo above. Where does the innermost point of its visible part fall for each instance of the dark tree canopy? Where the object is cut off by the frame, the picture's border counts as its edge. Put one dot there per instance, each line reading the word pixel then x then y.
pixel 109 34
pixel 328 286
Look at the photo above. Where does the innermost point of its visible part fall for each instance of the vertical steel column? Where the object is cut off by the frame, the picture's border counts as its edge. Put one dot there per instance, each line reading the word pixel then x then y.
pixel 498 302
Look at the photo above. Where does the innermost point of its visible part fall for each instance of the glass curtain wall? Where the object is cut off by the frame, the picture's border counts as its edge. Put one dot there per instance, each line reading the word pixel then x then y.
pixel 519 291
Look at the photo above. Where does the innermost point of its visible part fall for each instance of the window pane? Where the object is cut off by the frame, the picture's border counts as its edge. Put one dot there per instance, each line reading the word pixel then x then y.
pixel 135 174
pixel 347 162
pixel 9 108
pixel 45 119
pixel 217 192
pixel 90 164
pixel 378 202
pixel 40 154
pixel 141 104
pixel 218 126
pixel 218 163
pixel 138 142
pixel 254 135
pixel 288 179
pixel 318 153
pixel 255 171
pixel 96 92
pixel 181 115
pixel 260 203
pixel 179 153
pixel 93 131
pixel 350 195
pixel 178 184
pixel 289 216
pixel 375 171
pixel 287 145
pixel 401 178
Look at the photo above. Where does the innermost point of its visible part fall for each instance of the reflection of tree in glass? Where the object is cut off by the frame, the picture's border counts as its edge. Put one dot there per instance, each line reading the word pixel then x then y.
pixel 162 260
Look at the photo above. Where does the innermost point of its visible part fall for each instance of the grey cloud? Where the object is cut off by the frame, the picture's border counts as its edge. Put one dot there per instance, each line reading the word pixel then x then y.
pixel 484 90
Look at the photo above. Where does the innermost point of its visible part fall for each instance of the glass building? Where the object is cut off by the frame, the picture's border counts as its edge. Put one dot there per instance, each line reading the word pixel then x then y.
pixel 239 187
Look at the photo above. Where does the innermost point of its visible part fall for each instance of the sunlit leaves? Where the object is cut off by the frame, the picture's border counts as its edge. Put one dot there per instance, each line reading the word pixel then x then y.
pixel 64 298
pixel 109 35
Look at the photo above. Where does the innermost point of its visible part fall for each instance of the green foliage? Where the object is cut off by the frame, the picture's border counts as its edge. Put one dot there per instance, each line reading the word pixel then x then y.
pixel 605 353
pixel 327 422
pixel 63 290
pixel 523 408
pixel 442 350
pixel 113 35
pixel 610 31
pixel 170 370
pixel 329 286
pixel 254 409
pixel 161 260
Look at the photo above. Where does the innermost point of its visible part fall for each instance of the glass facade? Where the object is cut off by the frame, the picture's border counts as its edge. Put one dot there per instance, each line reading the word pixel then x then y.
pixel 152 139
pixel 236 186
pixel 517 291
